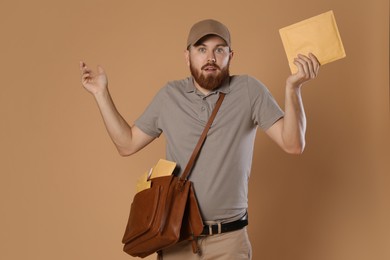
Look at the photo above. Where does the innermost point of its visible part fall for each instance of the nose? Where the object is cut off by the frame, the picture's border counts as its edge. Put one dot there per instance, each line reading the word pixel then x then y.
pixel 211 57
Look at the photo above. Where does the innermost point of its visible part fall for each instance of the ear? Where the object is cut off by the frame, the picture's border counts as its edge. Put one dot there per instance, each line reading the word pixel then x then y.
pixel 187 57
pixel 231 55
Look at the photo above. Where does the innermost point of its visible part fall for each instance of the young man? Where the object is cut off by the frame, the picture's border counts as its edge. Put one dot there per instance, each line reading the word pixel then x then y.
pixel 180 111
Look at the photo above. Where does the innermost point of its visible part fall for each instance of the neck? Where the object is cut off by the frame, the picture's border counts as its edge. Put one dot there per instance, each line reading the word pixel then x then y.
pixel 202 90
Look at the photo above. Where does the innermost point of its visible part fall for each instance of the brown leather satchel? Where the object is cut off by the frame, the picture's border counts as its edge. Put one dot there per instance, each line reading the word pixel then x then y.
pixel 168 211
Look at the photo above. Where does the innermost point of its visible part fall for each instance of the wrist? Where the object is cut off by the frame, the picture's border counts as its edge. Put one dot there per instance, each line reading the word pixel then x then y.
pixel 103 94
pixel 293 86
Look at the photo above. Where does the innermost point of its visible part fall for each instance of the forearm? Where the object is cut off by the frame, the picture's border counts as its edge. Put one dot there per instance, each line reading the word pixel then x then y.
pixel 294 127
pixel 289 132
pixel 127 140
pixel 118 129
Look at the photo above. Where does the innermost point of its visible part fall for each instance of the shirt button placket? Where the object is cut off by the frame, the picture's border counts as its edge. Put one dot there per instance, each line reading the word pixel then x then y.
pixel 203 111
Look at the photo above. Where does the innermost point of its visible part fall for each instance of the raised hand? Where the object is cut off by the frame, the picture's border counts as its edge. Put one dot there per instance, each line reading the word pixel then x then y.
pixel 308 68
pixel 94 83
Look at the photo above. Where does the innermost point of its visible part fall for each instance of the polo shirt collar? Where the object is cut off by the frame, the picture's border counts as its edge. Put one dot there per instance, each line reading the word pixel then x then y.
pixel 224 88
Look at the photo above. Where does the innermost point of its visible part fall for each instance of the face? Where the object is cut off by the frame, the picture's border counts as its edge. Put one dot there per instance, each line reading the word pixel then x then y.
pixel 209 62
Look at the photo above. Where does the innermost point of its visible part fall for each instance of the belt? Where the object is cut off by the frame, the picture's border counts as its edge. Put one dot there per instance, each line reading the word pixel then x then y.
pixel 225 227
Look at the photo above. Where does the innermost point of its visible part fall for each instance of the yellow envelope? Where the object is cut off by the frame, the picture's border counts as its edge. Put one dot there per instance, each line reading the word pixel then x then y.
pixel 318 35
pixel 163 168
pixel 143 182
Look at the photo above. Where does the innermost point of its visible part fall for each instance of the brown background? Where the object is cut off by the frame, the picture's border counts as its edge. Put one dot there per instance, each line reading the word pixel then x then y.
pixel 65 192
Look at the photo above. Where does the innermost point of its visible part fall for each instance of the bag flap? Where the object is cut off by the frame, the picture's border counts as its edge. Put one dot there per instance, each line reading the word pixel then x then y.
pixel 142 214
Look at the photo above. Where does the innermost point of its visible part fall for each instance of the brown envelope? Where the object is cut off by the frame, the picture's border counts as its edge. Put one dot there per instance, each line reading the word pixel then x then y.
pixel 163 168
pixel 318 35
pixel 143 182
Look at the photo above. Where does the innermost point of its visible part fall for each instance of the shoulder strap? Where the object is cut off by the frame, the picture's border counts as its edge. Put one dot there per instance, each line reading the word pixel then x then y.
pixel 202 138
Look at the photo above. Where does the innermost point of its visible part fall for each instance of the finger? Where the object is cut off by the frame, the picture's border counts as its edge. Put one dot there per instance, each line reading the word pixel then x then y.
pixel 299 65
pixel 304 70
pixel 308 65
pixel 301 76
pixel 314 58
pixel 83 67
pixel 316 63
pixel 86 75
pixel 86 70
pixel 85 81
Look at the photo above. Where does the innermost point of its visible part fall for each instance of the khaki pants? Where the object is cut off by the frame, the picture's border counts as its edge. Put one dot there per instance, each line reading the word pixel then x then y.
pixel 231 245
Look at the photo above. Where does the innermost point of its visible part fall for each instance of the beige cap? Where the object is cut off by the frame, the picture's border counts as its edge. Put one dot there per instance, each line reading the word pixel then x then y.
pixel 208 27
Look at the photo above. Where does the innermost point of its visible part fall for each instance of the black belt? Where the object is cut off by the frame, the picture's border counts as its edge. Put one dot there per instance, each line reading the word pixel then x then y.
pixel 225 227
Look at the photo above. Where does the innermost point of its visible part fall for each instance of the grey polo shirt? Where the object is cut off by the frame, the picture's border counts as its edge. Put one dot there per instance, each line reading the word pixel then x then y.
pixel 221 173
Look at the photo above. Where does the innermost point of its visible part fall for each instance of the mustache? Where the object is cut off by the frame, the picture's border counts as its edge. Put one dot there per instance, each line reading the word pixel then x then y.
pixel 210 65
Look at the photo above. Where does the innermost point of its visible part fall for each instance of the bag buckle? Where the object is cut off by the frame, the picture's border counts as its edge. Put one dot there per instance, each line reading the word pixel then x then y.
pixel 180 184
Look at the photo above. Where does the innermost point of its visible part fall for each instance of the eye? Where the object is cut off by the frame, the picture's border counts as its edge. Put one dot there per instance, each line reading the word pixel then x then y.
pixel 202 50
pixel 220 50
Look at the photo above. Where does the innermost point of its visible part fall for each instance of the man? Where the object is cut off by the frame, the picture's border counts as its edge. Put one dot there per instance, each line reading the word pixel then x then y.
pixel 182 108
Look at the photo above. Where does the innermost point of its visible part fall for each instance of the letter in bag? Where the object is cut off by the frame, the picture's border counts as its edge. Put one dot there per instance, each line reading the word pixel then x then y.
pixel 161 216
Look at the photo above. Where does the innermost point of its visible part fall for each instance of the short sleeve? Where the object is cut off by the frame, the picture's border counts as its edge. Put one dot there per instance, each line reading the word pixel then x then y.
pixel 265 110
pixel 149 121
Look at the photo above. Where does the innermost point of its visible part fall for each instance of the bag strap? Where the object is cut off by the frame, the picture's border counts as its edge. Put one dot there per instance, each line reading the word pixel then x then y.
pixel 202 138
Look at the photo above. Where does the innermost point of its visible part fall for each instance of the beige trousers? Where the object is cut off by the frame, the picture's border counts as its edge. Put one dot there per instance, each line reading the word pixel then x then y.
pixel 227 246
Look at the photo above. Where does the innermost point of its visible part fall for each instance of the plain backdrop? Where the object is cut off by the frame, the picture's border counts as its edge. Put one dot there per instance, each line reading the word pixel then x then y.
pixel 64 190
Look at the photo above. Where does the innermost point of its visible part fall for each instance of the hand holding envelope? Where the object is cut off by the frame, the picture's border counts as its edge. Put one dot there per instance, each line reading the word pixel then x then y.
pixel 308 67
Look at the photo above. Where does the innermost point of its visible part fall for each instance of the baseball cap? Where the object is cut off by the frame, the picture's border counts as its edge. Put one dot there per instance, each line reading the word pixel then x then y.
pixel 208 27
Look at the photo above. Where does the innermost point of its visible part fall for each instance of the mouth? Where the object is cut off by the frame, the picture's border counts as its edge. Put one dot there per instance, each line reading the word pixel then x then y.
pixel 210 68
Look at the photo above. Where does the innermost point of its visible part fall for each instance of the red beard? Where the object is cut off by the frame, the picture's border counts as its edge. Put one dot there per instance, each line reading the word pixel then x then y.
pixel 210 82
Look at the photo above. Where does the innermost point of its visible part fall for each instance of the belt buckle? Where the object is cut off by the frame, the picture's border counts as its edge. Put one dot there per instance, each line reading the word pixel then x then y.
pixel 219 225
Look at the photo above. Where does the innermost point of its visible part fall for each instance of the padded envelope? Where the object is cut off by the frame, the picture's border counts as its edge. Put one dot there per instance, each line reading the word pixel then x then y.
pixel 318 35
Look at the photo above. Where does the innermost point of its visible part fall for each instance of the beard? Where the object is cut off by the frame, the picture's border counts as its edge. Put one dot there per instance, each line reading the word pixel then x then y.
pixel 210 82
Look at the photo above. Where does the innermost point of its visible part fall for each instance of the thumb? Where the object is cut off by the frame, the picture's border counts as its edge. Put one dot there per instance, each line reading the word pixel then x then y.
pixel 100 69
pixel 82 64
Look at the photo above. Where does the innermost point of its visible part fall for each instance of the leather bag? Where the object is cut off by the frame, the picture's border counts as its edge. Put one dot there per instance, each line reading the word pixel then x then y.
pixel 168 211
